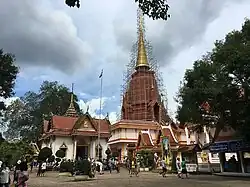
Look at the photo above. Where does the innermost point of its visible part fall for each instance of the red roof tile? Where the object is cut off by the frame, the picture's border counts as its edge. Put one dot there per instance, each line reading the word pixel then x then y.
pixel 144 140
pixel 104 125
pixel 63 125
pixel 63 122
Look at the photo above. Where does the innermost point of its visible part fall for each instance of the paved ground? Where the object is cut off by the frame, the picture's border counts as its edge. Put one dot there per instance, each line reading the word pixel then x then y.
pixel 144 180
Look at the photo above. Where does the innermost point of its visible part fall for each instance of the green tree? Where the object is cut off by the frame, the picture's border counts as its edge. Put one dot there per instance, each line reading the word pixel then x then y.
pixel 44 154
pixel 27 113
pixel 13 151
pixel 156 9
pixel 221 80
pixel 8 75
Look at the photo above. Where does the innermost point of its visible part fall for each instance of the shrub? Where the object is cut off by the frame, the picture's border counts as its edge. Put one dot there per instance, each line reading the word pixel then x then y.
pixel 44 154
pixel 83 167
pixel 60 153
pixel 66 166
pixel 51 158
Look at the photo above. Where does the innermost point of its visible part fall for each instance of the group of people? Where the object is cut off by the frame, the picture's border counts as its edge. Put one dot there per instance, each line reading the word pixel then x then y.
pixel 181 168
pixel 133 167
pixel 21 175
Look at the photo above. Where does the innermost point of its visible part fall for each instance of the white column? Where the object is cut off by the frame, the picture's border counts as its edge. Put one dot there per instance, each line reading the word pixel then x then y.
pixel 241 162
pixel 93 149
pixel 206 134
pixel 187 136
pixel 75 147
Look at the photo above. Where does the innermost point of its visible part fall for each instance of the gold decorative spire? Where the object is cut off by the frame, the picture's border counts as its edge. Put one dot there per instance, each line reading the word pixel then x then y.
pixel 142 59
pixel 71 112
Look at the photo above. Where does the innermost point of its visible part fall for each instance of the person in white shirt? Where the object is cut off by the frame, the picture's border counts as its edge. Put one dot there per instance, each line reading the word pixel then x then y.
pixel 178 167
pixel 100 166
pixel 44 166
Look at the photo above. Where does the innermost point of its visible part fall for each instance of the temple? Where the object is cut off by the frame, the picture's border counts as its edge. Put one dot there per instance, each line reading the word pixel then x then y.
pixel 142 105
pixel 76 134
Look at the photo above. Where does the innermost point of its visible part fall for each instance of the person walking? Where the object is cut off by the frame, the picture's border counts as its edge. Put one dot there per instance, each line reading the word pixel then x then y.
pixel 164 168
pixel 4 175
pixel 133 168
pixel 39 171
pixel 178 167
pixel 23 176
pixel 184 168
pixel 110 165
pixel 43 168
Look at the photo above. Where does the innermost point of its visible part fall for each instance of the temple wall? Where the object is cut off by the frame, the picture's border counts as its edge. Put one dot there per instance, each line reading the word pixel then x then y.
pixel 56 144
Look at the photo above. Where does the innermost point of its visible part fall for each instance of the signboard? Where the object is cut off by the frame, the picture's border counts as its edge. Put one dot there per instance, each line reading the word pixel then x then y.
pixel 229 146
pixel 191 167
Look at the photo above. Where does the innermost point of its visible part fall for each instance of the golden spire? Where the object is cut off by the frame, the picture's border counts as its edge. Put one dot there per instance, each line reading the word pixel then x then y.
pixel 142 59
pixel 71 112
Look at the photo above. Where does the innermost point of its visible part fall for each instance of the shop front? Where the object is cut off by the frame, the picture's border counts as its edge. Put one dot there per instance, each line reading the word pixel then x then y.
pixel 234 155
pixel 189 153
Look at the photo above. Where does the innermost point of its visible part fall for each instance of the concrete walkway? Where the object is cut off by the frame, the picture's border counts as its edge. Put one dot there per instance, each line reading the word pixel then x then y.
pixel 232 174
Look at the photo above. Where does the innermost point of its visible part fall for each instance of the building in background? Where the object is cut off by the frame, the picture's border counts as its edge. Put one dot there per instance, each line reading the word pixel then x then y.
pixel 76 135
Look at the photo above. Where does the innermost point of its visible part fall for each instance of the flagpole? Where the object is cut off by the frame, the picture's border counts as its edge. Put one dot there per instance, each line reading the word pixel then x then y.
pixel 100 115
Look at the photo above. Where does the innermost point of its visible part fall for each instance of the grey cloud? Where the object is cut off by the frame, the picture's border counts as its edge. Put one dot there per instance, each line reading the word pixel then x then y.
pixel 41 36
pixel 188 22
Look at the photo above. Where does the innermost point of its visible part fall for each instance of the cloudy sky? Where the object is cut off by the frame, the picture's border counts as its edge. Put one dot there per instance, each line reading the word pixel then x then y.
pixel 54 42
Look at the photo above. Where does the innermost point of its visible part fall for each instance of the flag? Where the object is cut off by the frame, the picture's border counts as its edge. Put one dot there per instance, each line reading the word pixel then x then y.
pixel 100 76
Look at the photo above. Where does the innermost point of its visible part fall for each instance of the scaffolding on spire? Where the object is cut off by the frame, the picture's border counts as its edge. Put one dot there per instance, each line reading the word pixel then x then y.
pixel 153 65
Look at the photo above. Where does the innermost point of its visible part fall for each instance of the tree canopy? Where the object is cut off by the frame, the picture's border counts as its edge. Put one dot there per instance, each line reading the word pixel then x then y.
pixel 10 152
pixel 8 75
pixel 215 91
pixel 24 117
pixel 155 9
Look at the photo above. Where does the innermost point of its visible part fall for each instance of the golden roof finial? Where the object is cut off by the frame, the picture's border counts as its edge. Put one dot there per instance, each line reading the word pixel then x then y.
pixel 71 112
pixel 142 59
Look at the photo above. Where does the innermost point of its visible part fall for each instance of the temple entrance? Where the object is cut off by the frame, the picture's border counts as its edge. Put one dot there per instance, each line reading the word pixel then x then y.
pixel 81 152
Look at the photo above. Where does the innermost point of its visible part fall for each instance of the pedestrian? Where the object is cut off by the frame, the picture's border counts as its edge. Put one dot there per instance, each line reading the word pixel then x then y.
pixel 4 175
pixel 16 171
pixel 39 169
pixel 23 176
pixel 129 166
pixel 184 168
pixel 164 168
pixel 31 166
pixel 43 168
pixel 133 168
pixel 178 167
pixel 110 166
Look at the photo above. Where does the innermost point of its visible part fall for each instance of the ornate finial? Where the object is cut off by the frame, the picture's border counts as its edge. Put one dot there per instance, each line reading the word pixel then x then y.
pixel 71 112
pixel 142 59
pixel 107 116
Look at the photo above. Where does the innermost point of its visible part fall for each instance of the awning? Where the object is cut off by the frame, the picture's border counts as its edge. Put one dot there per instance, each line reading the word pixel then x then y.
pixel 190 148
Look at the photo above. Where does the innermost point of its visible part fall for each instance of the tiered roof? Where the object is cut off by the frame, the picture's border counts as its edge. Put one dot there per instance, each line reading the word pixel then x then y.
pixel 72 124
